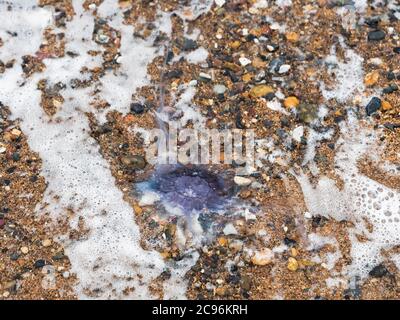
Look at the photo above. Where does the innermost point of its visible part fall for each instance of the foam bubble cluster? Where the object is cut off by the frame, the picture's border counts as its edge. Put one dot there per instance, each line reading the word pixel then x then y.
pixel 361 200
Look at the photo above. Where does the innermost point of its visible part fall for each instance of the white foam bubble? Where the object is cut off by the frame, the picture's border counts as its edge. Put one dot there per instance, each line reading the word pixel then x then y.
pixel 348 75
pixel 197 56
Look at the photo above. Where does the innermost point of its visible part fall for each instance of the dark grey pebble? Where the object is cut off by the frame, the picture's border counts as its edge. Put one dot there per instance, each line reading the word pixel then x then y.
pixel 16 156
pixel 390 75
pixel 137 108
pixel 376 35
pixel 373 106
pixel 39 263
pixel 379 271
pixel 390 89
pixel 189 44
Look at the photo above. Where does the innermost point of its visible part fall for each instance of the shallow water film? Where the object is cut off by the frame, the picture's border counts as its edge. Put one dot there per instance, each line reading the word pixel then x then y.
pixel 280 122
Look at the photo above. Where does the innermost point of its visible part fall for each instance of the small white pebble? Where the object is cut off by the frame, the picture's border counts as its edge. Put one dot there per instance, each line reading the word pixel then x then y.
pixel 229 229
pixel 307 215
pixel 298 133
pixel 244 61
pixel 284 68
pixel 205 75
pixel 219 3
pixel 279 95
pixel 242 181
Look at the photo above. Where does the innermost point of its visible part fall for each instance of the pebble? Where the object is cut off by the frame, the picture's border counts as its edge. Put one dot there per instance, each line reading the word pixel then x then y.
pixel 275 65
pixel 373 106
pixel 245 283
pixel 247 77
pixel 292 36
pixel 9 285
pixel 376 35
pixel 390 89
pixel 220 3
pixel 298 133
pixel 236 245
pixel 262 233
pixel 66 274
pixel 134 161
pixel 242 181
pixel 48 269
pixel 24 250
pixel 260 91
pixel 102 38
pixel 284 68
pixel 205 76
pixel 386 105
pixel 244 61
pixel 222 241
pixel 235 44
pixel 292 265
pixel 307 112
pixel 263 257
pixel 379 271
pixel 291 102
pixel 221 291
pixel 6 294
pixel 230 229
pixel 390 75
pixel 307 215
pixel 272 47
pixel 137 108
pixel 14 256
pixel 258 63
pixel 219 89
pixel 16 132
pixel 46 243
pixel 138 210
pixel 39 263
pixel 371 78
pixel 49 282
pixel 2 149
pixel 189 44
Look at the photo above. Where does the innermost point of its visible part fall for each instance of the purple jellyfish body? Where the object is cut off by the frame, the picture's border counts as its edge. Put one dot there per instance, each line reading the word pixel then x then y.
pixel 191 189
